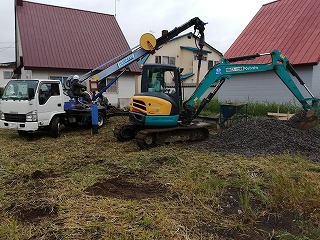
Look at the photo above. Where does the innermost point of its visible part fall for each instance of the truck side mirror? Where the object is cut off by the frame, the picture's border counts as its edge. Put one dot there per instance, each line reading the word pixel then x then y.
pixel 31 93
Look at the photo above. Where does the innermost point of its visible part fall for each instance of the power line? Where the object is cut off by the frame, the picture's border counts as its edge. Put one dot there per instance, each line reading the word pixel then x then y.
pixel 5 48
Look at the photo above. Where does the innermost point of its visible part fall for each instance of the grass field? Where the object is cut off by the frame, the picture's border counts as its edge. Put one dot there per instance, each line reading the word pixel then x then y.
pixel 84 186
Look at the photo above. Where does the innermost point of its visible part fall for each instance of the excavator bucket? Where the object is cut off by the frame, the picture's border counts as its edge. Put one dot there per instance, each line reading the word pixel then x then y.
pixel 305 119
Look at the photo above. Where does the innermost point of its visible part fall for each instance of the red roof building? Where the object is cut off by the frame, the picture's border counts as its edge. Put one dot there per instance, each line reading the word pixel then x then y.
pixel 65 38
pixel 291 27
pixel 54 42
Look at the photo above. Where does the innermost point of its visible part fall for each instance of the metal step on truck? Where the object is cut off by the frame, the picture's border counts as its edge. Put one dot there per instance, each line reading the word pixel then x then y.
pixel 32 105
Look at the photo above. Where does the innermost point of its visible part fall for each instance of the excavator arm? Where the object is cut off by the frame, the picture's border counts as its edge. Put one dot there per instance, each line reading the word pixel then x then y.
pixel 198 24
pixel 226 69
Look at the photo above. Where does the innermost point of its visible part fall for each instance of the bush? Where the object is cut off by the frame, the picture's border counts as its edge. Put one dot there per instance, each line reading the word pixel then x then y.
pixel 257 109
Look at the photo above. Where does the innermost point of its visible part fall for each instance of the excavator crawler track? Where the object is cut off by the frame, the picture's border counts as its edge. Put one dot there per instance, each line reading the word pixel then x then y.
pixel 126 132
pixel 149 138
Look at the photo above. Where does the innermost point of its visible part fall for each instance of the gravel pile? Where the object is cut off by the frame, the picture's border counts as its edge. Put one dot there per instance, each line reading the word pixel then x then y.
pixel 264 136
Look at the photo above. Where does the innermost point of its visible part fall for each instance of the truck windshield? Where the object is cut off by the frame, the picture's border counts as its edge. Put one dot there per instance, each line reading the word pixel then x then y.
pixel 18 89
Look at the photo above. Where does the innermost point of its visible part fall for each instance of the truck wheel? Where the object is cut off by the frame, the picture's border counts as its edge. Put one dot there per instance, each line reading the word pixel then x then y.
pixel 101 119
pixel 55 127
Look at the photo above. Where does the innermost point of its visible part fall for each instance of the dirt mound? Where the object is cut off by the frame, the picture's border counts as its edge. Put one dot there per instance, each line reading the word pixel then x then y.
pixel 263 136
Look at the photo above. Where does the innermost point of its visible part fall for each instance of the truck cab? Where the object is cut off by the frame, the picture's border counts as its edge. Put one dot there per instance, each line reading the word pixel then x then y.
pixel 30 105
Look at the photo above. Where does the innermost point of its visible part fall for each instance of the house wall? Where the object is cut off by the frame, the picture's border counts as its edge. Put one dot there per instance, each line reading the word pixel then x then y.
pixel 188 91
pixel 4 81
pixel 316 80
pixel 43 74
pixel 264 87
pixel 126 89
pixel 18 43
pixel 185 58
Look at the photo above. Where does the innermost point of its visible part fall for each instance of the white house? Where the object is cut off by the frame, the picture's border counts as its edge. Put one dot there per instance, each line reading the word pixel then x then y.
pixel 183 52
pixel 55 42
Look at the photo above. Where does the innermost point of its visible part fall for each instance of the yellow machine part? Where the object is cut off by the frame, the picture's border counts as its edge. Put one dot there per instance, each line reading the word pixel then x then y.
pixel 148 42
pixel 150 105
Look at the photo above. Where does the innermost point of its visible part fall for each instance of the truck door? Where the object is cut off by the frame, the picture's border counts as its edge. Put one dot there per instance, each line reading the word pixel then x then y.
pixel 50 101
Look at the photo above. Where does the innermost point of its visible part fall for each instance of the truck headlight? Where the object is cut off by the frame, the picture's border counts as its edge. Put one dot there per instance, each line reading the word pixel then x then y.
pixel 32 116
pixel 1 115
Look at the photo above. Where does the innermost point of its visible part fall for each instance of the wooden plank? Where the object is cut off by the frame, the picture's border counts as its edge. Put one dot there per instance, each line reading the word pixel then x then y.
pixel 280 116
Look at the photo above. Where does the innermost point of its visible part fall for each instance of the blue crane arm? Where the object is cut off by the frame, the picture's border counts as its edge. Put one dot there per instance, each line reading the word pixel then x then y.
pixel 124 62
pixel 127 58
pixel 225 70
pixel 135 54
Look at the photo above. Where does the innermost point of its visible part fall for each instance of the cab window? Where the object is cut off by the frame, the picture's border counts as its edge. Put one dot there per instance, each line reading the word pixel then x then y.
pixel 48 90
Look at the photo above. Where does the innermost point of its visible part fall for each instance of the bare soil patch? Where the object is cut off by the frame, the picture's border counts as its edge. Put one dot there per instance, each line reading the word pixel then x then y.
pixel 33 211
pixel 123 188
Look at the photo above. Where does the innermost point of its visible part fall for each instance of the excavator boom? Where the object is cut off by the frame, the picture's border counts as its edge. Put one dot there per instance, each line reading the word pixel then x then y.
pixel 226 69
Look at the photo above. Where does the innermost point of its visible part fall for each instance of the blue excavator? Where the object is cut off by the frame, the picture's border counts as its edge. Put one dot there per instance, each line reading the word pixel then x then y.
pixel 159 116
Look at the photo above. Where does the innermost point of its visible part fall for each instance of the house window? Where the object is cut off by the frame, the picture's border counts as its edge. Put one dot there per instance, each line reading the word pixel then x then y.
pixel 210 64
pixel 204 57
pixel 62 80
pixel 7 74
pixel 112 89
pixel 172 61
pixel 158 59
pixel 165 59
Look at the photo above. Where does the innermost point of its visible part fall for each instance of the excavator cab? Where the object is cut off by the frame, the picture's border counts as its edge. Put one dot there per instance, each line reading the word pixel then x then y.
pixel 160 78
pixel 159 102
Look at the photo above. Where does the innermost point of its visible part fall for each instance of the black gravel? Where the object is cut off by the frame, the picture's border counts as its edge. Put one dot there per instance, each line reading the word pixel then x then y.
pixel 264 136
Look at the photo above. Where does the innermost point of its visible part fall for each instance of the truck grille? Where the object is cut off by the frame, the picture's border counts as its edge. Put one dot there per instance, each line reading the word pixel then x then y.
pixel 15 117
pixel 139 104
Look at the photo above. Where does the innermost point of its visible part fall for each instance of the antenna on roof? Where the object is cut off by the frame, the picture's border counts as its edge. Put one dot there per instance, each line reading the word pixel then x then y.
pixel 115 8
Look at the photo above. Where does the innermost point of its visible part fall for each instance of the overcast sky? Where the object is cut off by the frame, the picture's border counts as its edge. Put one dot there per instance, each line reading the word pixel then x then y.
pixel 226 19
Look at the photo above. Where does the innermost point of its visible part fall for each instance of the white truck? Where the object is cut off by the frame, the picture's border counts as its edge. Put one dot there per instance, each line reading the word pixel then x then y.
pixel 40 104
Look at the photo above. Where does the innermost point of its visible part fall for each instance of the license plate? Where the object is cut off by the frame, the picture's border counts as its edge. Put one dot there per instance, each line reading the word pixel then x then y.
pixel 13 125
